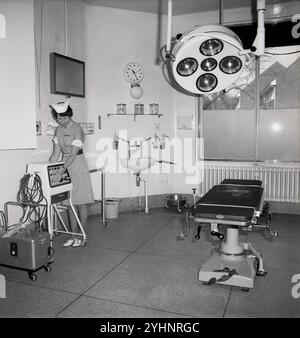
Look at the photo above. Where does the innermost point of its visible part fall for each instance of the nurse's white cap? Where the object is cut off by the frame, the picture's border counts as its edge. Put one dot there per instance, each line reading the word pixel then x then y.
pixel 60 107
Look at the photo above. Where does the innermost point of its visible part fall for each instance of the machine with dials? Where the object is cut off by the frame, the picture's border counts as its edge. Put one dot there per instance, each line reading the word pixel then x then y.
pixel 55 192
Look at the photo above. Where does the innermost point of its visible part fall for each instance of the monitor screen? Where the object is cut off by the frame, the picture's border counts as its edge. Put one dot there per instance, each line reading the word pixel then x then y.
pixel 67 75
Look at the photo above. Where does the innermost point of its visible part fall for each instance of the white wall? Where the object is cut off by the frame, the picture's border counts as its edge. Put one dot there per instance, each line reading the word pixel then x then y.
pixel 17 85
pixel 49 37
pixel 114 38
pixel 93 36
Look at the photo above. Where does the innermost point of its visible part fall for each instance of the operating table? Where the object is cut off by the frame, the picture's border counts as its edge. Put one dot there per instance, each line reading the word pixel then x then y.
pixel 236 204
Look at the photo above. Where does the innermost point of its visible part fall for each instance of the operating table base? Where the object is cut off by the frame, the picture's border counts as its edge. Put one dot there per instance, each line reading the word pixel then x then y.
pixel 229 270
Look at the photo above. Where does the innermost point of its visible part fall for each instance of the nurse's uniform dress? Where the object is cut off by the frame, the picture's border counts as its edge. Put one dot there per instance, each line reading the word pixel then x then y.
pixel 82 192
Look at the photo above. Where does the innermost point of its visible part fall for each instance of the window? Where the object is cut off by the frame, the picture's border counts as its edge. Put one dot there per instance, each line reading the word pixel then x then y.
pixel 234 130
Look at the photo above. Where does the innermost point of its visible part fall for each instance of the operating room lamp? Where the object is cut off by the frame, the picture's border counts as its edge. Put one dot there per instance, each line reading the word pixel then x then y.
pixel 208 59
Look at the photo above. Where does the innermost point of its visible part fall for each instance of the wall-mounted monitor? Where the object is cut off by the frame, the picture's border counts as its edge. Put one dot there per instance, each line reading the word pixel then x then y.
pixel 67 75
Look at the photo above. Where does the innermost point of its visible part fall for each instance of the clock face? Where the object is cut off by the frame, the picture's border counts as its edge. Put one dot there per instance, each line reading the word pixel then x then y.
pixel 133 72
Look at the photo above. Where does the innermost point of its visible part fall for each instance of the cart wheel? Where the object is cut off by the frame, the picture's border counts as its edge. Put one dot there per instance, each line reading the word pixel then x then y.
pixel 32 276
pixel 47 268
pixel 105 224
pixel 179 210
pixel 206 283
pixel 245 289
pixel 167 206
pixel 186 206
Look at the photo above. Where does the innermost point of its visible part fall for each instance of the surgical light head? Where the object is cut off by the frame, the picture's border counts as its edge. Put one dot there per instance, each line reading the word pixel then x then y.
pixel 207 59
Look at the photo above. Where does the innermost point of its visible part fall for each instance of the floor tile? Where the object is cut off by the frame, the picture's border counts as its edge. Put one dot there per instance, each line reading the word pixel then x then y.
pixel 32 301
pixel 155 218
pixel 271 297
pixel 137 267
pixel 283 251
pixel 122 235
pixel 167 242
pixel 164 284
pixel 276 254
pixel 89 307
pixel 73 270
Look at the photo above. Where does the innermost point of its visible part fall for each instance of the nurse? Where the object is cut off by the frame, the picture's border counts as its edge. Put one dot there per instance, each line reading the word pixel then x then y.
pixel 67 146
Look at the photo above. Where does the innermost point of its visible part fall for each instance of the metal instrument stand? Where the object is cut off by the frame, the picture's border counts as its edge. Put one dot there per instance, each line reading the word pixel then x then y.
pixel 102 199
pixel 53 211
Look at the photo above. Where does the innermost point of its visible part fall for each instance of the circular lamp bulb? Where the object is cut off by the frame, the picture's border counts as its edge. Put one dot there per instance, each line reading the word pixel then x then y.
pixel 230 64
pixel 209 64
pixel 206 82
pixel 187 66
pixel 211 47
pixel 136 91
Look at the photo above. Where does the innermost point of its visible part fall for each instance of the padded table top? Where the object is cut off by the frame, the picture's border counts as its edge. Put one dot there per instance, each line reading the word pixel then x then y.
pixel 229 202
pixel 234 214
pixel 242 182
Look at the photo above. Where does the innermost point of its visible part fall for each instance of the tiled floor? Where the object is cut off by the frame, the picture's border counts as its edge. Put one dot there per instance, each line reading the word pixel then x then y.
pixel 136 267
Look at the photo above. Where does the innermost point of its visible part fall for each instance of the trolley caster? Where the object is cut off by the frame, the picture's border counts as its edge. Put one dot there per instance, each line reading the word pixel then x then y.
pixel 167 206
pixel 105 224
pixel 245 289
pixel 187 206
pixel 179 210
pixel 210 282
pixel 261 273
pixel 47 268
pixel 32 276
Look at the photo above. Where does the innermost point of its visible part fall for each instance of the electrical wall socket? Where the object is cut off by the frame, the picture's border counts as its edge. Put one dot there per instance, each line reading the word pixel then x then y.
pixel 38 128
pixel 88 127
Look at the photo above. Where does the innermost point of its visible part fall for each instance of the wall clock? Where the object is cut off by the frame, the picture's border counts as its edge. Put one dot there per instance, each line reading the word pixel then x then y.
pixel 133 72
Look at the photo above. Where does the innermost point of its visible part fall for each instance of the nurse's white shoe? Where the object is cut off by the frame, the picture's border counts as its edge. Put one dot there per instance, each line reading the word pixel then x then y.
pixel 79 242
pixel 69 242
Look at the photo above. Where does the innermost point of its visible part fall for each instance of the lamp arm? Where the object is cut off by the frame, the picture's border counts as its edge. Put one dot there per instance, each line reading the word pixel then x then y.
pixel 169 30
pixel 258 46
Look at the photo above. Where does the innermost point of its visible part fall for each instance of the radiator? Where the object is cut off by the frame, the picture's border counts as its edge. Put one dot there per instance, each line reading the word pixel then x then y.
pixel 281 184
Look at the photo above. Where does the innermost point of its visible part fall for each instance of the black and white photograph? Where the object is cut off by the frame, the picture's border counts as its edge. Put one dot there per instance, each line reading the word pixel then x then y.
pixel 150 163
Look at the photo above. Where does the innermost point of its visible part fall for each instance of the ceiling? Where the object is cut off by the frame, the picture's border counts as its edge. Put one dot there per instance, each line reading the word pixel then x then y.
pixel 179 7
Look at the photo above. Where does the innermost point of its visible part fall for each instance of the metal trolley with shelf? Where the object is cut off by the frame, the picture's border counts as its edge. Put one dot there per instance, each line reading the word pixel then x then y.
pixel 102 198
